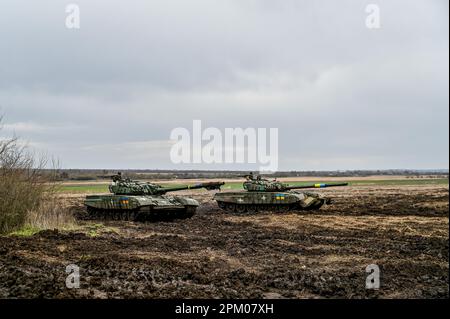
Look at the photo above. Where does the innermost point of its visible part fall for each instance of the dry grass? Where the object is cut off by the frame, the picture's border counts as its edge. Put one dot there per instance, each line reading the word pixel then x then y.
pixel 52 213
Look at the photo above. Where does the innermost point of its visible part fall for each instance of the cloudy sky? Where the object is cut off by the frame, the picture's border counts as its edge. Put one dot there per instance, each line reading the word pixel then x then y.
pixel 343 96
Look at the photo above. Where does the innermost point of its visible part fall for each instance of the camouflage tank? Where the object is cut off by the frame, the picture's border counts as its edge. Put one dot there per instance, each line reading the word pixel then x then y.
pixel 264 195
pixel 142 201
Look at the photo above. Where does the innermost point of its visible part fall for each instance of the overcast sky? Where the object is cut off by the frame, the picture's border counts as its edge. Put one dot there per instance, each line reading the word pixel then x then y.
pixel 343 96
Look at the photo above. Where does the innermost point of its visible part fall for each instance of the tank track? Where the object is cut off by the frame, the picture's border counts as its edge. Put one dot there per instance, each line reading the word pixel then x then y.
pixel 140 215
pixel 249 208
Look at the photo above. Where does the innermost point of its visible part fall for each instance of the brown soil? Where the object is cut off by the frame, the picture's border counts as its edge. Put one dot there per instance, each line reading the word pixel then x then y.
pixel 320 254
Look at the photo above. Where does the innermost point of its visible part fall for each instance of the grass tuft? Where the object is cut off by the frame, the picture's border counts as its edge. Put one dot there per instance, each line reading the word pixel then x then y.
pixel 25 231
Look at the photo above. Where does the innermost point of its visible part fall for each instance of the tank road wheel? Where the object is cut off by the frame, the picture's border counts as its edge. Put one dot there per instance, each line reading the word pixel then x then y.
pixel 230 207
pixel 96 214
pixel 270 208
pixel 99 214
pixel 170 215
pixel 241 209
pixel 132 215
pixel 190 211
pixel 90 213
pixel 139 216
pixel 221 205
pixel 252 209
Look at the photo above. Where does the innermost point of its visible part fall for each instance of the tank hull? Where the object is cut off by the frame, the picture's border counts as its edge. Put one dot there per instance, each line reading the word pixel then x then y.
pixel 138 208
pixel 242 202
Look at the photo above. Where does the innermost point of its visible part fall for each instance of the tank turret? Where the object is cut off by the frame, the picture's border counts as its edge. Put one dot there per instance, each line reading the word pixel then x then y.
pixel 263 185
pixel 129 187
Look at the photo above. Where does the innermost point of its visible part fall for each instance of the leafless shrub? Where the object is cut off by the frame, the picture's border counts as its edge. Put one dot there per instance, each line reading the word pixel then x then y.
pixel 25 187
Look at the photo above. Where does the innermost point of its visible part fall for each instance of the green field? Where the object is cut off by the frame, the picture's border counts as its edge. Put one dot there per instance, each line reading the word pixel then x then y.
pixel 87 188
pixel 103 188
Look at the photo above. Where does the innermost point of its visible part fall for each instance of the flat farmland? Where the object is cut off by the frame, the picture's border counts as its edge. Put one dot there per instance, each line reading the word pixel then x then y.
pixel 399 224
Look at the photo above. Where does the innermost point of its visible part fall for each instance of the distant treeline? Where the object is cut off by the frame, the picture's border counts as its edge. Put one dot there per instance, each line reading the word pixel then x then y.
pixel 95 174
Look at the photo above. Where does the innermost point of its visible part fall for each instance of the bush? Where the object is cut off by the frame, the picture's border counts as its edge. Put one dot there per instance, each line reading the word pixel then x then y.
pixel 25 188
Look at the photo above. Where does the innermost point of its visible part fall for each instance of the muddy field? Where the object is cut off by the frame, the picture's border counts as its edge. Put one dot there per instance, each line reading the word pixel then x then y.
pixel 404 230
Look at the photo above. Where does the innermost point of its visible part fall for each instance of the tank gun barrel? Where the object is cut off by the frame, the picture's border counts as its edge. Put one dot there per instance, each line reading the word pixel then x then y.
pixel 317 185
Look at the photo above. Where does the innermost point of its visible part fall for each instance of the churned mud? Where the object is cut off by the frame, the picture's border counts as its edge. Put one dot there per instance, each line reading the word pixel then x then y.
pixel 324 254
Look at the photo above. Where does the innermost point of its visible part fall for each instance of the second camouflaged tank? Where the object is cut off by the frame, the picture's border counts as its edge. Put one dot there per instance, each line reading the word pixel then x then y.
pixel 142 201
pixel 264 195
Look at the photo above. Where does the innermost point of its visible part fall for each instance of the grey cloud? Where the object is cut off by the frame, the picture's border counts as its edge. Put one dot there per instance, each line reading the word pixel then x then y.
pixel 342 96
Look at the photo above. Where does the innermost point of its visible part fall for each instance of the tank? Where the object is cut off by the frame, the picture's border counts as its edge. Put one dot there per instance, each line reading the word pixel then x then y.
pixel 142 201
pixel 264 195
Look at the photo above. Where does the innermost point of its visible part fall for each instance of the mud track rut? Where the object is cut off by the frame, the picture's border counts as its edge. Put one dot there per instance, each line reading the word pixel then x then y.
pixel 214 254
